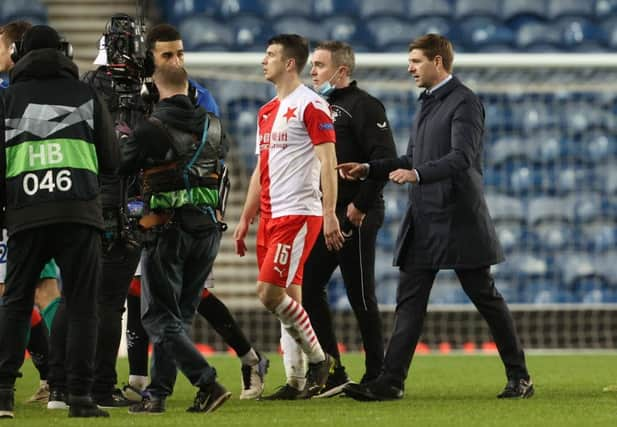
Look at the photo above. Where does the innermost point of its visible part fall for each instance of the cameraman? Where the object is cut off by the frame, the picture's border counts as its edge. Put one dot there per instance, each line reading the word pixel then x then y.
pixel 180 149
pixel 166 48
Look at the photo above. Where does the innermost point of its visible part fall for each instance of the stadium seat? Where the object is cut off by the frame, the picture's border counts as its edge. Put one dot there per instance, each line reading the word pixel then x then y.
pixel 522 266
pixel 369 9
pixel 296 25
pixel 587 207
pixel 577 32
pixel 334 8
pixel 235 8
pixel 606 178
pixel 600 236
pixel 506 149
pixel 421 8
pixel 575 266
pixel 606 265
pixel 435 25
pixel 279 8
pixel 201 32
pixel 347 29
pixel 514 9
pixel 465 8
pixel 177 10
pixel 30 10
pixel 386 31
pixel 533 33
pixel 553 237
pixel 480 31
pixel 505 208
pixel 545 209
pixel 248 32
pixel 545 147
pixel 560 8
pixel 605 8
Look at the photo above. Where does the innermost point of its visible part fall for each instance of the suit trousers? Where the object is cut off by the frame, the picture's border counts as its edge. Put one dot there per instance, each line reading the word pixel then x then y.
pixel 411 302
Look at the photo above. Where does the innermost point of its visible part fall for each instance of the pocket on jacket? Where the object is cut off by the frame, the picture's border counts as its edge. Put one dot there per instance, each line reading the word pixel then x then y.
pixel 436 197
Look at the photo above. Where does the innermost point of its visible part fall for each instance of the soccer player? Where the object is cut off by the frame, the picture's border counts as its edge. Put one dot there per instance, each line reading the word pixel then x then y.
pixel 295 145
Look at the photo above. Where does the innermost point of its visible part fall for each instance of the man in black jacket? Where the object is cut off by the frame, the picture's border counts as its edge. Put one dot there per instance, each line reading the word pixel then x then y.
pixel 447 225
pixel 180 149
pixel 362 135
pixel 57 137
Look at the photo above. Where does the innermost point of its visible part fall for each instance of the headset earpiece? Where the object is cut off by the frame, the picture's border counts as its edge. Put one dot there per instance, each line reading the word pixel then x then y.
pixel 16 48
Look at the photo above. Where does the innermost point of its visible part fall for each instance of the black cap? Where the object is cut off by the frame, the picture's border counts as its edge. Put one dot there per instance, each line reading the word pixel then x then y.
pixel 40 37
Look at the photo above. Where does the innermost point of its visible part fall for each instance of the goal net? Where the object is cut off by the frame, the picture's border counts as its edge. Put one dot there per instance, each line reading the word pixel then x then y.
pixel 550 182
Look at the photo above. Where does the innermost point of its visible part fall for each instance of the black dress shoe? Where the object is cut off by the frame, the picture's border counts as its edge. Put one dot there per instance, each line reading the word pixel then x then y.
pixel 373 391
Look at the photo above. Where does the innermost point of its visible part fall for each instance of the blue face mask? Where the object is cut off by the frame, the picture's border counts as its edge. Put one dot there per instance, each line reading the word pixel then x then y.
pixel 327 88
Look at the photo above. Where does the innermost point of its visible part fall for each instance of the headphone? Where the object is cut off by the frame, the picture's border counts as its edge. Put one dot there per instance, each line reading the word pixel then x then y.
pixel 17 49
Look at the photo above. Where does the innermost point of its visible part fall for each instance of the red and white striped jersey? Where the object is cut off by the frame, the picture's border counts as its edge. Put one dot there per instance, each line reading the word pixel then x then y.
pixel 287 129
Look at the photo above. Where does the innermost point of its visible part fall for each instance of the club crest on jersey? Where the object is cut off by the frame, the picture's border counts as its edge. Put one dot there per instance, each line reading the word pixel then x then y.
pixel 290 114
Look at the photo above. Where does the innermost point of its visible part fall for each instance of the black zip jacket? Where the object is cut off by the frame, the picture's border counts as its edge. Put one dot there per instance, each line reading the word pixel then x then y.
pixel 362 134
pixel 56 138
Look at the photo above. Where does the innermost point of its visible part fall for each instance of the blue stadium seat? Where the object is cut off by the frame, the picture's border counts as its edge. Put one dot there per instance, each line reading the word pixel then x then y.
pixel 587 207
pixel 553 237
pixel 447 290
pixel 601 236
pixel 435 25
pixel 606 266
pixel 465 8
pixel 549 209
pixel 581 116
pixel 420 8
pixel 515 9
pixel 578 266
pixel 235 8
pixel 533 33
pixel 546 147
pixel 522 266
pixel 569 179
pixel 514 237
pixel 386 31
pixel 30 10
pixel 580 8
pixel 201 32
pixel 577 32
pixel 369 9
pixel 332 8
pixel 506 149
pixel 347 29
pixel 481 31
pixel 599 147
pixel 605 8
pixel 505 208
pixel 606 178
pixel 278 8
pixel 296 25
pixel 248 31
pixel 177 10
pixel 609 25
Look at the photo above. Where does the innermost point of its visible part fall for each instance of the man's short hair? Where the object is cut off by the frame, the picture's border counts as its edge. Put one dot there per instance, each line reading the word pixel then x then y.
pixel 14 31
pixel 433 45
pixel 161 33
pixel 171 77
pixel 294 47
pixel 342 53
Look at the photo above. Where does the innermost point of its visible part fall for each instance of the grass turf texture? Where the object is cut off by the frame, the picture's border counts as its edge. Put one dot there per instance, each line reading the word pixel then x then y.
pixel 441 391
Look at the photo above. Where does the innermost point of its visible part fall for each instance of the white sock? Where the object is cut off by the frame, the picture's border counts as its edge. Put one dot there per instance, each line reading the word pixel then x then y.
pixel 250 358
pixel 138 381
pixel 293 360
pixel 296 321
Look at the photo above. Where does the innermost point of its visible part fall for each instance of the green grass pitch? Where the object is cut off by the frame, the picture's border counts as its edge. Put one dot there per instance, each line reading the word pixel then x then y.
pixel 452 390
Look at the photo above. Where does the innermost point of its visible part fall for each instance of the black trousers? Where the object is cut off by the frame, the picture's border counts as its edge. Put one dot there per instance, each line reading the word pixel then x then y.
pixel 119 264
pixel 411 302
pixel 77 251
pixel 357 263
